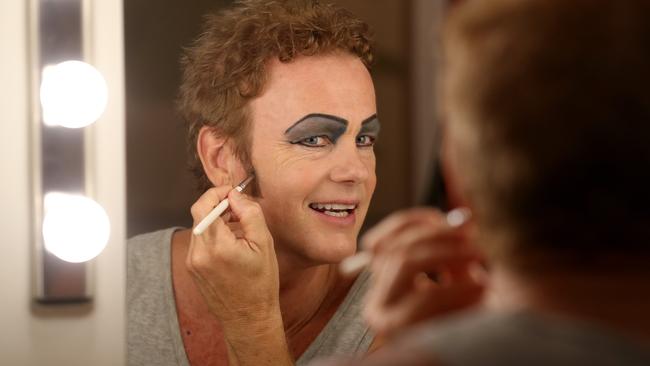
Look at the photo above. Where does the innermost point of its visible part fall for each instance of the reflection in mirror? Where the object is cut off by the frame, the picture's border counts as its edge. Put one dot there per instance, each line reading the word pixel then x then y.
pixel 313 190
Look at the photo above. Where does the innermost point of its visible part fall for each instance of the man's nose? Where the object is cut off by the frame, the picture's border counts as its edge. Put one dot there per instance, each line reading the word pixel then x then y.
pixel 349 167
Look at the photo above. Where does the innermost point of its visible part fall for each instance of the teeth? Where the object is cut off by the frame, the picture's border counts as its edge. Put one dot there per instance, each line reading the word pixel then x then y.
pixel 332 206
pixel 343 207
pixel 336 214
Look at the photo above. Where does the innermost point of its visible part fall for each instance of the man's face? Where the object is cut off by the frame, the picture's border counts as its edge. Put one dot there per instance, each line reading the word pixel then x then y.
pixel 313 129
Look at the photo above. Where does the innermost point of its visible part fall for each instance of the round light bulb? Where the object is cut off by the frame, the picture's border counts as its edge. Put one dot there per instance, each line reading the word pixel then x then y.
pixel 75 228
pixel 73 94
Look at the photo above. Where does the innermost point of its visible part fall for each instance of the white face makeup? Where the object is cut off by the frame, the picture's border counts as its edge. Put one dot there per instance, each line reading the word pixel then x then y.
pixel 313 133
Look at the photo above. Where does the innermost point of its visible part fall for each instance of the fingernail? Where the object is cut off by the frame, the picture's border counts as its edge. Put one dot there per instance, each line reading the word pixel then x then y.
pixel 478 273
pixel 458 216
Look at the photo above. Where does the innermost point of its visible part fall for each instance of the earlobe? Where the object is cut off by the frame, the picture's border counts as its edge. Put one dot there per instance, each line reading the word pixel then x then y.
pixel 214 153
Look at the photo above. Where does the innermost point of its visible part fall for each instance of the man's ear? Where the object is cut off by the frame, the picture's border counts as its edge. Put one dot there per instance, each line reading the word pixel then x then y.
pixel 217 156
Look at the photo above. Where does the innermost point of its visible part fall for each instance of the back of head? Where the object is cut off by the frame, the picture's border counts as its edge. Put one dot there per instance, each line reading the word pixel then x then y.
pixel 226 66
pixel 549 109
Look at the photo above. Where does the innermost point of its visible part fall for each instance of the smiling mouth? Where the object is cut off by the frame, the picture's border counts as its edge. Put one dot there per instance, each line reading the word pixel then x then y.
pixel 333 209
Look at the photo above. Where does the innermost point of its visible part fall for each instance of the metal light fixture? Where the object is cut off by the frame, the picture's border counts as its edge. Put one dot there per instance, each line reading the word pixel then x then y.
pixel 68 96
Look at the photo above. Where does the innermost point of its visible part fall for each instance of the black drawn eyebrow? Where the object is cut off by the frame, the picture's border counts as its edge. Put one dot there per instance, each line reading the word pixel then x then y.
pixel 340 120
pixel 370 119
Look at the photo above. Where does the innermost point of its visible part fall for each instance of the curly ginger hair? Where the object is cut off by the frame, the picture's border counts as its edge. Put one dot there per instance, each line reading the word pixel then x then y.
pixel 225 67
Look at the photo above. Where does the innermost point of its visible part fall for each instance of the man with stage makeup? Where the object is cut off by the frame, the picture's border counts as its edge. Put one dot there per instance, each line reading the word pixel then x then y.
pixel 281 90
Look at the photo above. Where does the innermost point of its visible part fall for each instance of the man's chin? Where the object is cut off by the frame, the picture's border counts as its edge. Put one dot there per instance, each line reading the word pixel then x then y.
pixel 316 247
pixel 332 251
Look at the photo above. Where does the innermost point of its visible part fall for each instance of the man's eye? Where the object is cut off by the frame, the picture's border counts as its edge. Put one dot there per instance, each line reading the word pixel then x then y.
pixel 314 141
pixel 365 140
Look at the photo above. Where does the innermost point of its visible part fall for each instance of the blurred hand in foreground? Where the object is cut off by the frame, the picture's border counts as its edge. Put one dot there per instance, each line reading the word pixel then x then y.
pixel 424 264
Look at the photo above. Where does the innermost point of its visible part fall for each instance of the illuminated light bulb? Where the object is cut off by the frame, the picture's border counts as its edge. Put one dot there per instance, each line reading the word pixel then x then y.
pixel 73 94
pixel 75 228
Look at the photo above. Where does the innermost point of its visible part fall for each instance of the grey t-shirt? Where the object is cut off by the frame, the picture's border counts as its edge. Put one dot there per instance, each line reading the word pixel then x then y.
pixel 484 338
pixel 153 333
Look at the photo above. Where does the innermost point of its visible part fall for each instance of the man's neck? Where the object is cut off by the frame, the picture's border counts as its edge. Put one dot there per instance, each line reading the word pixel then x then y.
pixel 309 295
pixel 615 300
pixel 305 292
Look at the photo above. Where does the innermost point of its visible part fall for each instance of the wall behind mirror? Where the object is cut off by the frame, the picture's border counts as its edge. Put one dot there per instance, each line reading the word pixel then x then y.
pixel 160 190
pixel 63 334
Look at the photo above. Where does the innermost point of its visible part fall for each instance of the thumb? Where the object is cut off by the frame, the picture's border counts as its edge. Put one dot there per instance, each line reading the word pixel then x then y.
pixel 251 219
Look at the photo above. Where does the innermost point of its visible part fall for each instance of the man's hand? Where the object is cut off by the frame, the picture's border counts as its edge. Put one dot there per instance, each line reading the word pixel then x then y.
pixel 235 267
pixel 422 267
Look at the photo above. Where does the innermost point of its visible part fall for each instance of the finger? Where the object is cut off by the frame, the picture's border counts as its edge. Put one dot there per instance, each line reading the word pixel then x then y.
pixel 208 200
pixel 386 319
pixel 445 299
pixel 396 222
pixel 404 247
pixel 473 271
pixel 216 231
pixel 458 216
pixel 454 219
pixel 227 217
pixel 399 270
pixel 423 234
pixel 425 300
pixel 221 232
pixel 235 228
pixel 423 243
pixel 209 248
pixel 250 217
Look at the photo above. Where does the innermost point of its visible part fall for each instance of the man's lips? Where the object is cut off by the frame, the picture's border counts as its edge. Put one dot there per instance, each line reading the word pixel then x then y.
pixel 335 209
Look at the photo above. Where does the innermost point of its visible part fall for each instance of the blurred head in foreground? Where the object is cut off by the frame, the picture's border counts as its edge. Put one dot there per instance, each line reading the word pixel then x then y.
pixel 548 130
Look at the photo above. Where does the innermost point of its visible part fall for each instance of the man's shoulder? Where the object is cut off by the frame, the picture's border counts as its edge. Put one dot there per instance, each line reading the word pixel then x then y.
pixel 148 246
pixel 484 337
pixel 150 320
pixel 147 259
pixel 153 237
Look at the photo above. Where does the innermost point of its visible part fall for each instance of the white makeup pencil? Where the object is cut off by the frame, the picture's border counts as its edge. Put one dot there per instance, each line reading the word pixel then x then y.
pixel 220 208
pixel 358 262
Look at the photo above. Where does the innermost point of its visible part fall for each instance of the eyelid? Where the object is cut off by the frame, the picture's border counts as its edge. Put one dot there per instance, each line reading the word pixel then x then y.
pixel 372 133
pixel 373 140
pixel 315 126
pixel 301 141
